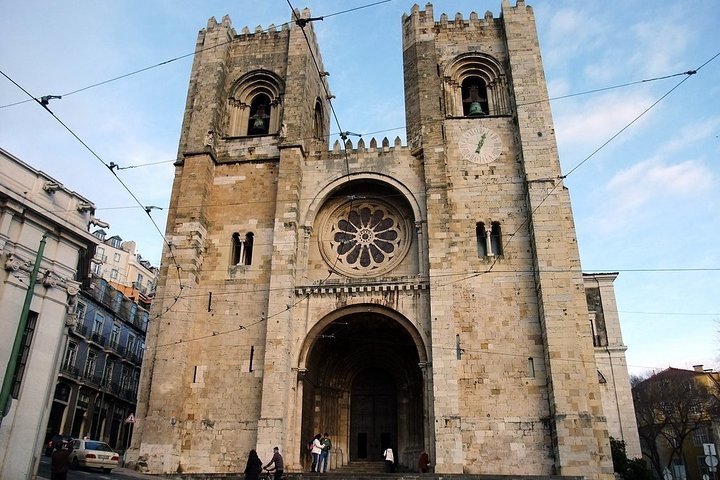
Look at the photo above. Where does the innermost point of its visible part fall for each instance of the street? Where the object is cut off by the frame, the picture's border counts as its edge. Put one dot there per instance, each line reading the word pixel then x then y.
pixel 90 473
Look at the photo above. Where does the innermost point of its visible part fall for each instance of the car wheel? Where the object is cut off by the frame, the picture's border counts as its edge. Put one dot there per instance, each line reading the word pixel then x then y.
pixel 74 464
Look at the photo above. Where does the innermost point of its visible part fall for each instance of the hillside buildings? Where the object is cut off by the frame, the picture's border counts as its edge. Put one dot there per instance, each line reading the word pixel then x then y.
pixel 426 297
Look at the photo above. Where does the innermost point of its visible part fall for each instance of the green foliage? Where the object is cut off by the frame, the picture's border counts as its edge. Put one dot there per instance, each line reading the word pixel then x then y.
pixel 635 469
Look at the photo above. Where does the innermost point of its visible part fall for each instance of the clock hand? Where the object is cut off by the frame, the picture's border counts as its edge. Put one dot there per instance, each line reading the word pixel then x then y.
pixel 480 143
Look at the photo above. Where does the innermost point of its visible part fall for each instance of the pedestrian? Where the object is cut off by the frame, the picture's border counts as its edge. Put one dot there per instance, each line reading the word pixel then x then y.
pixel 424 463
pixel 253 467
pixel 316 451
pixel 325 454
pixel 389 460
pixel 277 460
pixel 60 462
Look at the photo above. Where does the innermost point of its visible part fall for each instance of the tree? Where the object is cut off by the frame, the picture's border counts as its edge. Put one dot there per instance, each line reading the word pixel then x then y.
pixel 670 407
pixel 634 469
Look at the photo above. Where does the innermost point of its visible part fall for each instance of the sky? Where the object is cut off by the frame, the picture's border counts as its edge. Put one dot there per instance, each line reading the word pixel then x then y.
pixel 641 160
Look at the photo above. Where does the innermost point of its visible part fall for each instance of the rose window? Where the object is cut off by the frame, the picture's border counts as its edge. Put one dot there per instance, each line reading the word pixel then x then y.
pixel 365 238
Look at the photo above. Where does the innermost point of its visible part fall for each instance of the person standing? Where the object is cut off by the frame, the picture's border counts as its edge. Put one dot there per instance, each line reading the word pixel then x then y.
pixel 325 454
pixel 424 463
pixel 253 467
pixel 60 461
pixel 277 460
pixel 316 451
pixel 389 460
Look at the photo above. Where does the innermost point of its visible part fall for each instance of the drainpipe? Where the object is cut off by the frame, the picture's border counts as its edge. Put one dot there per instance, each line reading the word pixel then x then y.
pixel 12 361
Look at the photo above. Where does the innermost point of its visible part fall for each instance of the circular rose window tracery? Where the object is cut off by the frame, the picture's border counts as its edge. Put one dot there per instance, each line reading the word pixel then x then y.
pixel 362 238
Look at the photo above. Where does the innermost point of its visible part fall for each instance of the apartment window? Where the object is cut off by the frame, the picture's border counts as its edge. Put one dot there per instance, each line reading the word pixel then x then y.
pixel 700 436
pixel 140 279
pixel 133 311
pixel 100 251
pixel 131 343
pixel 115 335
pixel 96 268
pixel 90 364
pixel 115 242
pixel 116 257
pixel 107 374
pixel 24 353
pixel 117 301
pixel 70 356
pixel 124 378
pixel 114 273
pixel 80 310
pixel 98 325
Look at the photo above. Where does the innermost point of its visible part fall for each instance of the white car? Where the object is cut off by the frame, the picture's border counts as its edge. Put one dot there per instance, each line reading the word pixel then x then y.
pixel 93 453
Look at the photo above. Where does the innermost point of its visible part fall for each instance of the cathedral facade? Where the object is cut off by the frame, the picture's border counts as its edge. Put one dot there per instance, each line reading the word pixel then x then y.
pixel 426 297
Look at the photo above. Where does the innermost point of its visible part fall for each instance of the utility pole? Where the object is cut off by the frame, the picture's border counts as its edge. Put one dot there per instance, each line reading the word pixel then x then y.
pixel 12 361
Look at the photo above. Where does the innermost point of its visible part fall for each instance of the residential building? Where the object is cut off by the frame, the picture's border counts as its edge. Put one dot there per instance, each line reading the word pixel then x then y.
pixel 426 297
pixel 678 416
pixel 45 249
pixel 116 261
pixel 100 370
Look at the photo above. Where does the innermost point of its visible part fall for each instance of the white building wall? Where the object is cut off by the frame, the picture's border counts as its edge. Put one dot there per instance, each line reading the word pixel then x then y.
pixel 33 204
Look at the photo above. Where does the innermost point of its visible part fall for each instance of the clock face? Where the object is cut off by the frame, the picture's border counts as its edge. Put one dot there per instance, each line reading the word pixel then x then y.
pixel 480 145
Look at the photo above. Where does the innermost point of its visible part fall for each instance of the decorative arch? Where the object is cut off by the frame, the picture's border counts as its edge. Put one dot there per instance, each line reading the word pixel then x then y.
pixel 255 104
pixel 317 329
pixel 475 85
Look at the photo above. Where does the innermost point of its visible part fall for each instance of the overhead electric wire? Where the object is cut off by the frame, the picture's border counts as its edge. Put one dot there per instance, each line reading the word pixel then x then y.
pixel 109 167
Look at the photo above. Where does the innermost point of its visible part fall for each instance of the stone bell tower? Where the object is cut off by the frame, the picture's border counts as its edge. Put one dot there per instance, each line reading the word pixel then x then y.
pixel 478 114
pixel 256 107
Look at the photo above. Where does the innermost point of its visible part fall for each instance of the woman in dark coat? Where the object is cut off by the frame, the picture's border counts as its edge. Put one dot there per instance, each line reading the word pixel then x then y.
pixel 254 465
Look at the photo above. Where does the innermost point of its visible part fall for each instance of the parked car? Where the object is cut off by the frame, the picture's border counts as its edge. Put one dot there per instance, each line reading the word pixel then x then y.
pixel 57 438
pixel 94 454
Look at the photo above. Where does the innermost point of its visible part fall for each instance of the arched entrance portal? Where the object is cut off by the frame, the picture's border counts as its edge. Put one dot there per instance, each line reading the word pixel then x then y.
pixel 363 385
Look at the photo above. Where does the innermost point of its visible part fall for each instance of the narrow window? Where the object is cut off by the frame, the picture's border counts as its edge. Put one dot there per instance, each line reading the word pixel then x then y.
pixel 474 97
pixel 531 367
pixel 80 311
pixel 70 355
pixel 259 122
pixel 496 239
pixel 90 364
pixel 107 374
pixel 24 353
pixel 115 335
pixel 98 325
pixel 236 248
pixel 481 240
pixel 131 344
pixel 114 273
pixel 318 121
pixel 247 258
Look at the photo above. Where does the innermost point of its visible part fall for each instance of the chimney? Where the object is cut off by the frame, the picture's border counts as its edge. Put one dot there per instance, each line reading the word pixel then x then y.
pixel 698 368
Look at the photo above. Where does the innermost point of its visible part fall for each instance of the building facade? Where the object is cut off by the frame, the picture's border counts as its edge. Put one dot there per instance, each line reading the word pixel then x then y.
pixel 426 297
pixel 99 373
pixel 45 250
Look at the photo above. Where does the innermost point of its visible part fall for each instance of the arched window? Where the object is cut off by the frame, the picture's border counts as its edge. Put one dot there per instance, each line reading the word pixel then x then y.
pixel 475 84
pixel 254 106
pixel 481 241
pixel 242 249
pixel 496 239
pixel 318 121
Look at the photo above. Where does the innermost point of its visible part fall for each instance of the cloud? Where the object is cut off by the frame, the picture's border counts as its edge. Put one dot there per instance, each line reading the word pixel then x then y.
pixel 595 120
pixel 632 190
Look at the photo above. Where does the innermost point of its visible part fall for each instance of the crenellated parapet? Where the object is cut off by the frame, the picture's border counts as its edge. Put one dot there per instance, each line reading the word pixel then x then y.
pixel 424 19
pixel 341 148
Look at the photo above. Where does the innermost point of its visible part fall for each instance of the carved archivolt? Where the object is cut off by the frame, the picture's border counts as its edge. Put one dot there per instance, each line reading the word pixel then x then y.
pixel 256 95
pixel 477 69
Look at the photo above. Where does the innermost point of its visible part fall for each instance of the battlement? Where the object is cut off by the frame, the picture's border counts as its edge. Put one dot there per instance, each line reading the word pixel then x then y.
pixel 340 148
pixel 271 29
pixel 425 19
